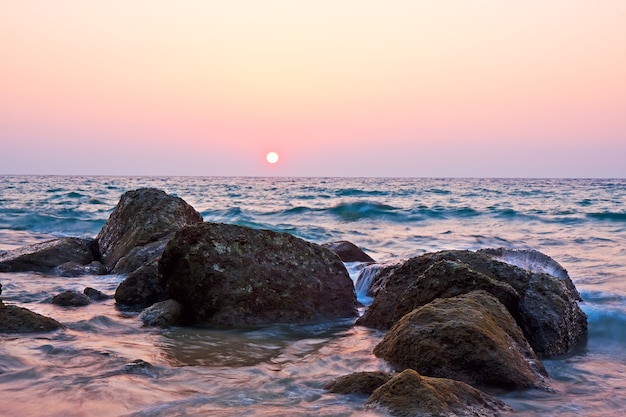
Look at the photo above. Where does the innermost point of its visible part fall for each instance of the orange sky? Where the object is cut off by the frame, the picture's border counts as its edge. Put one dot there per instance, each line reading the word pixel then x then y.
pixel 338 88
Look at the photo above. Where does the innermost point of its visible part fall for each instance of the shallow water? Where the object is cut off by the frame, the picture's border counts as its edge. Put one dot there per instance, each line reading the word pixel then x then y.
pixel 94 366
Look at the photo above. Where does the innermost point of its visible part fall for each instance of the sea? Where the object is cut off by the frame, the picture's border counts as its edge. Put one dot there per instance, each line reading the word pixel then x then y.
pixel 104 363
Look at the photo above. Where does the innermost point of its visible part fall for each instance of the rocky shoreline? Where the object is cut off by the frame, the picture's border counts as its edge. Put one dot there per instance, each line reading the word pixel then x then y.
pixel 456 321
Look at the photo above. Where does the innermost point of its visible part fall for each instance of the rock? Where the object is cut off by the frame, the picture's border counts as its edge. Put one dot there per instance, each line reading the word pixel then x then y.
pixel 146 217
pixel 358 383
pixel 141 288
pixel 140 255
pixel 348 251
pixel 140 367
pixel 411 394
pixel 372 278
pixel 95 295
pixel 544 308
pixel 14 319
pixel 442 279
pixel 74 269
pixel 45 256
pixel 71 299
pixel 470 338
pixel 163 314
pixel 533 261
pixel 233 275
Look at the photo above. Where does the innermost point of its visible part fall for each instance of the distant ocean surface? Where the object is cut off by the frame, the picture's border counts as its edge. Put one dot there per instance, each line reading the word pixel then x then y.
pixel 87 369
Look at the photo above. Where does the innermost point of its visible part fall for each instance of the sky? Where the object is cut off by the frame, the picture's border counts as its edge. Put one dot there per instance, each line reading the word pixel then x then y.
pixel 405 88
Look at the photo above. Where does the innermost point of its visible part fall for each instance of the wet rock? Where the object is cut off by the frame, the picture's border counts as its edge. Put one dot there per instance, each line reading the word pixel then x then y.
pixel 95 295
pixel 373 277
pixel 348 251
pixel 45 256
pixel 544 308
pixel 470 338
pixel 232 275
pixel 141 288
pixel 74 269
pixel 141 223
pixel 71 299
pixel 14 319
pixel 140 367
pixel 163 314
pixel 442 279
pixel 358 383
pixel 410 394
pixel 140 256
pixel 533 261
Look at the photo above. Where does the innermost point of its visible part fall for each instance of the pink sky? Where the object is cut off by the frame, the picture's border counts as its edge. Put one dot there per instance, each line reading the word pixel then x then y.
pixel 338 88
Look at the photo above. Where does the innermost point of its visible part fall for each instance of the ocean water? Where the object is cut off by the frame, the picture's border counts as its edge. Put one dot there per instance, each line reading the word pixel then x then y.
pixel 104 363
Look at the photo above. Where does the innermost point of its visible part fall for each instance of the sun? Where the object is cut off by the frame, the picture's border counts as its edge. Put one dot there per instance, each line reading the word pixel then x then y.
pixel 272 157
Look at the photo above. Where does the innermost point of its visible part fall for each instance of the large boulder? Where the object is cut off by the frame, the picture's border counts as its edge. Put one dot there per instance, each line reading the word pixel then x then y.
pixel 543 306
pixel 441 279
pixel 410 394
pixel 141 223
pixel 233 275
pixel 46 256
pixel 470 338
pixel 348 251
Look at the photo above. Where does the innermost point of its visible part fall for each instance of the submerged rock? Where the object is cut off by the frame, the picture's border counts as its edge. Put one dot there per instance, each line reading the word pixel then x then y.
pixel 233 275
pixel 358 383
pixel 348 251
pixel 14 319
pixel 542 305
pixel 96 295
pixel 71 299
pixel 46 256
pixel 470 338
pixel 139 226
pixel 411 394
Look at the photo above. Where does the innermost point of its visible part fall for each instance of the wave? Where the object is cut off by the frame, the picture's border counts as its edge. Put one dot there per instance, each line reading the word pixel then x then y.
pixel 608 216
pixel 64 223
pixel 606 312
pixel 362 210
pixel 355 192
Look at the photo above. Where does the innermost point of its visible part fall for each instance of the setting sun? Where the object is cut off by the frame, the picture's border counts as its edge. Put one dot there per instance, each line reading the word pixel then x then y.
pixel 272 157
